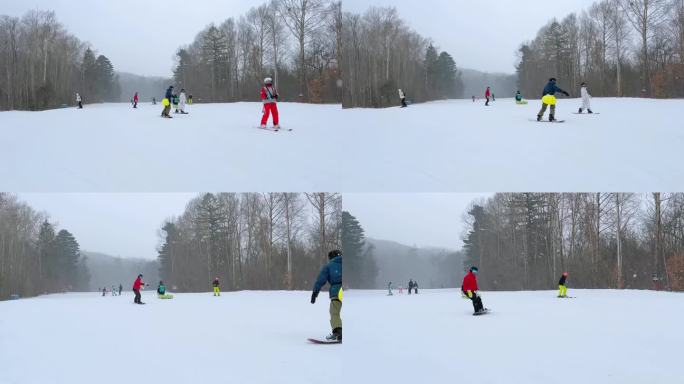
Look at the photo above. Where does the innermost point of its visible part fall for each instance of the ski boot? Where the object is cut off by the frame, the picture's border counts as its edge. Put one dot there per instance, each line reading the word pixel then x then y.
pixel 263 126
pixel 539 117
pixel 590 112
pixel 276 127
pixel 336 335
pixel 552 118
pixel 580 111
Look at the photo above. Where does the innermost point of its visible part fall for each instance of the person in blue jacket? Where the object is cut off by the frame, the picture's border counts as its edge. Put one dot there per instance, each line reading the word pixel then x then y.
pixel 168 98
pixel 549 98
pixel 331 274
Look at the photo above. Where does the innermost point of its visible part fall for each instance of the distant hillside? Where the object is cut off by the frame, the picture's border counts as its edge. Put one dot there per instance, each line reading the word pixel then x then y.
pixel 147 87
pixel 106 270
pixel 475 83
pixel 431 267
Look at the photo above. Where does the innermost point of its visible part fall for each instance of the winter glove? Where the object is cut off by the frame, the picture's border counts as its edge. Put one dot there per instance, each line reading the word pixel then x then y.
pixel 314 295
pixel 276 97
pixel 470 294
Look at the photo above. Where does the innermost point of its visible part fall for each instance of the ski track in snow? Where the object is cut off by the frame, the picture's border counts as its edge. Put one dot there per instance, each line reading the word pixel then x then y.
pixel 243 337
pixel 447 146
pixel 602 336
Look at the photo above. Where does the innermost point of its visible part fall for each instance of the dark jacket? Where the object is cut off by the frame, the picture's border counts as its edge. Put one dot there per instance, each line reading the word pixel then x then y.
pixel 551 89
pixel 169 94
pixel 215 283
pixel 331 273
pixel 562 280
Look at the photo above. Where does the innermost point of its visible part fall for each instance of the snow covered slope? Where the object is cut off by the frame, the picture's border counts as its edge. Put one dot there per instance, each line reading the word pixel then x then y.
pixel 602 336
pixel 451 146
pixel 245 337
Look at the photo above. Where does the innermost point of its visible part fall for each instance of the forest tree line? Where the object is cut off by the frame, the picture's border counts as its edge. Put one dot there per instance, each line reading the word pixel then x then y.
pixel 619 47
pixel 35 257
pixel 524 241
pixel 42 66
pixel 382 55
pixel 295 42
pixel 250 241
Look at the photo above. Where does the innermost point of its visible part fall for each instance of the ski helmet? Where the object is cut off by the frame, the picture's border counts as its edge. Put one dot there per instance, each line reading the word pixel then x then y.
pixel 268 80
pixel 334 254
pixel 140 275
pixel 473 269
pixel 553 80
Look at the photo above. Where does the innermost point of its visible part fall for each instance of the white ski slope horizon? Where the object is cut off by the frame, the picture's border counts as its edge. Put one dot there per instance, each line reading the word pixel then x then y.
pixel 448 146
pixel 601 336
pixel 239 337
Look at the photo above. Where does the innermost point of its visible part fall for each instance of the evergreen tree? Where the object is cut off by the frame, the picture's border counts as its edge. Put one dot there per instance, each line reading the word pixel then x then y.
pixel 431 81
pixel 45 245
pixel 446 76
pixel 359 264
pixel 105 79
pixel 67 257
pixel 89 76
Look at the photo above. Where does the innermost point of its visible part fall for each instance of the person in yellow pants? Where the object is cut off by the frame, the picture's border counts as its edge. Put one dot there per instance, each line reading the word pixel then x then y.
pixel 216 284
pixel 549 99
pixel 562 287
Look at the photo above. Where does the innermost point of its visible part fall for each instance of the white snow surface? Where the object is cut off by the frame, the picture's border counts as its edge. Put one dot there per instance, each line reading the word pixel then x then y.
pixel 242 337
pixel 449 146
pixel 602 336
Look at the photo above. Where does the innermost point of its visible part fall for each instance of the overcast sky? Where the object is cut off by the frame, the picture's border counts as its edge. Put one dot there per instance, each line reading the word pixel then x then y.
pixel 433 220
pixel 142 36
pixel 118 224
pixel 483 35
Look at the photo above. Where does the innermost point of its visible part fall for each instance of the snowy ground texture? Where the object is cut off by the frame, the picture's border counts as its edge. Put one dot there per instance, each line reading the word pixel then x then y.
pixel 602 336
pixel 245 337
pixel 450 146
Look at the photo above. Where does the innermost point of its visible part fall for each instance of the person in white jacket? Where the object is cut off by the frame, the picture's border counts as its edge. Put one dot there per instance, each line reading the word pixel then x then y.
pixel 402 97
pixel 586 99
pixel 79 101
pixel 183 101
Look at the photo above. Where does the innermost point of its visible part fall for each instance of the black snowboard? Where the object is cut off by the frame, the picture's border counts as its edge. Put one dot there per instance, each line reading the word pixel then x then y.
pixel 546 121
pixel 483 312
pixel 595 113
pixel 317 341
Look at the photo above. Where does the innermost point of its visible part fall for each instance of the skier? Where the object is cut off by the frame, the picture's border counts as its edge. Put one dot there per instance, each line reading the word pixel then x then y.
pixel 120 289
pixel 549 98
pixel 136 289
pixel 519 98
pixel 389 289
pixel 161 289
pixel 469 288
pixel 154 101
pixel 488 95
pixel 79 101
pixel 415 287
pixel 183 101
pixel 215 284
pixel 331 273
pixel 269 96
pixel 410 286
pixel 562 286
pixel 167 102
pixel 402 97
pixel 135 100
pixel 586 99
pixel 104 291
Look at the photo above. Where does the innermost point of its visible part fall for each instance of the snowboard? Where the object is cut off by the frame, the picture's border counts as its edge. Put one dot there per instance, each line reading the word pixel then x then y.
pixel 317 341
pixel 595 113
pixel 567 297
pixel 546 121
pixel 275 130
pixel 486 311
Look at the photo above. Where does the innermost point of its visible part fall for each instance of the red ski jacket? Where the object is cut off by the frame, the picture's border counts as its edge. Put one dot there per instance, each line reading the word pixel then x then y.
pixel 488 93
pixel 469 282
pixel 138 283
pixel 269 94
pixel 135 98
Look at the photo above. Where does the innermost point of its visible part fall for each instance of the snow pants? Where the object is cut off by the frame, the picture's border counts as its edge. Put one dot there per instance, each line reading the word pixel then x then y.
pixel 487 102
pixel 543 110
pixel 335 311
pixel 477 302
pixel 217 291
pixel 586 103
pixel 403 102
pixel 137 296
pixel 562 291
pixel 270 108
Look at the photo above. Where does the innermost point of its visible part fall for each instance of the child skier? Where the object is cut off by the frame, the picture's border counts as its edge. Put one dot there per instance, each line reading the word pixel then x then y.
pixel 549 98
pixel 331 273
pixel 586 99
pixel 402 97
pixel 137 284
pixel 488 95
pixel 562 287
pixel 469 289
pixel 135 100
pixel 216 284
pixel 269 96
pixel 79 101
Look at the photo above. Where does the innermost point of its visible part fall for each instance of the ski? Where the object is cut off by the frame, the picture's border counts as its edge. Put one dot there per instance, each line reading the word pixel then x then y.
pixel 317 341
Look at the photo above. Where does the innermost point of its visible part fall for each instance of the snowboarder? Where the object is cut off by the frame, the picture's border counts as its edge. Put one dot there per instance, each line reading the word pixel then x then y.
pixel 154 101
pixel 79 101
pixel 183 100
pixel 167 102
pixel 562 286
pixel 586 99
pixel 120 289
pixel 469 289
pixel 488 95
pixel 104 291
pixel 135 100
pixel 331 273
pixel 402 97
pixel 161 289
pixel 137 285
pixel 389 289
pixel 415 287
pixel 519 98
pixel 216 284
pixel 549 98
pixel 410 286
pixel 269 97
pixel 175 101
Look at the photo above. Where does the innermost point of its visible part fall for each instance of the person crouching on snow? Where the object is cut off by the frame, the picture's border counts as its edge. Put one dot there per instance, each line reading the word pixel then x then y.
pixel 562 285
pixel 469 289
pixel 586 99
pixel 519 99
pixel 161 289
pixel 549 99
pixel 331 273
pixel 269 96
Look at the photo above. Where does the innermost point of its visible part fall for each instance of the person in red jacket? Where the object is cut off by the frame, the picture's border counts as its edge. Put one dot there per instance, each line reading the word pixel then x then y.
pixel 269 96
pixel 469 289
pixel 488 95
pixel 137 284
pixel 135 100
